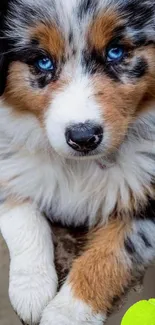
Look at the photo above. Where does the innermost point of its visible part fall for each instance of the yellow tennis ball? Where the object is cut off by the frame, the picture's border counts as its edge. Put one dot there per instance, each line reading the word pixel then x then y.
pixel 142 313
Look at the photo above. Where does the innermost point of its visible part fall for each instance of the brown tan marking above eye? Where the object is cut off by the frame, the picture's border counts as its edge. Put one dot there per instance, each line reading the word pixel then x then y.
pixel 102 29
pixel 19 93
pixel 50 39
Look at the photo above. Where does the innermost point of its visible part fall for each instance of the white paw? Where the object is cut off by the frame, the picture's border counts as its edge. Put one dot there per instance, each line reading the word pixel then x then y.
pixel 67 310
pixel 30 291
pixel 58 316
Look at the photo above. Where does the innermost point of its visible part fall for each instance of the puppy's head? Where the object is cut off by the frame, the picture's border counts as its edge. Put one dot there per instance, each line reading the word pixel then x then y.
pixel 84 68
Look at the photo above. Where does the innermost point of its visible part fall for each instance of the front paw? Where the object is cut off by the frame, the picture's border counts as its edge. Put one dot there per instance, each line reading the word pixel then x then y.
pixel 57 316
pixel 65 309
pixel 31 290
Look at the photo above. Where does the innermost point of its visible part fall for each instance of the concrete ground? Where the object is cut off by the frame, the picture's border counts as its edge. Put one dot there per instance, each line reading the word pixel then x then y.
pixel 8 317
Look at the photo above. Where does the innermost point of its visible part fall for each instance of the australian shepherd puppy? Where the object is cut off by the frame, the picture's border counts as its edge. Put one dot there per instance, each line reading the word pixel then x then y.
pixel 77 140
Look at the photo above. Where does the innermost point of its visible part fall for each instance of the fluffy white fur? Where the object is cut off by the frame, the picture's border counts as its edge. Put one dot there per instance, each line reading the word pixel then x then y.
pixel 67 310
pixel 33 279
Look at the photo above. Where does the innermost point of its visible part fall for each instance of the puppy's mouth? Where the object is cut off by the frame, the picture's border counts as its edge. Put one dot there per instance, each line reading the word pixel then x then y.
pixel 102 155
pixel 102 160
pixel 94 154
pixel 84 155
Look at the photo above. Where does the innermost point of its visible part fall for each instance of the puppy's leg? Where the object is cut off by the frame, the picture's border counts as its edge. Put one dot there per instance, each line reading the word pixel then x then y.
pixel 33 279
pixel 113 258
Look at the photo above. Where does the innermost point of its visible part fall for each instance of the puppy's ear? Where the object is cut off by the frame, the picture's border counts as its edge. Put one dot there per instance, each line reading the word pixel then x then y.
pixel 3 46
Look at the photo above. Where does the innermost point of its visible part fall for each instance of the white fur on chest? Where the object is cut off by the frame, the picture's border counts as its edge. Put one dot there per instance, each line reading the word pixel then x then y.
pixel 74 190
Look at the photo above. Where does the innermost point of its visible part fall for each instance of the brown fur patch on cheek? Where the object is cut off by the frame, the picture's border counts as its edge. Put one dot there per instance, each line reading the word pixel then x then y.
pixel 102 274
pixel 21 95
pixel 24 98
pixel 50 39
pixel 101 31
pixel 118 104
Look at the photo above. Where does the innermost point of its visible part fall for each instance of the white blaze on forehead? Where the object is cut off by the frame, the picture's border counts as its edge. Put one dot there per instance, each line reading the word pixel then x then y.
pixel 67 5
pixel 76 104
pixel 63 3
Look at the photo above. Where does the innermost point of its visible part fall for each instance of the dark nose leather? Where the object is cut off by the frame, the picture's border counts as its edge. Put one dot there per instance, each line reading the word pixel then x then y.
pixel 84 136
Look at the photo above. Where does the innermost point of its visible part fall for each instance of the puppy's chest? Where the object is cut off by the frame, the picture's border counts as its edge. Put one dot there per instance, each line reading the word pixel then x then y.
pixel 78 195
pixel 77 191
pixel 83 191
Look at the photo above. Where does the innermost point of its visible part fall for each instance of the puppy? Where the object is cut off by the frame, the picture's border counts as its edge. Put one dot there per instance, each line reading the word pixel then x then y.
pixel 77 141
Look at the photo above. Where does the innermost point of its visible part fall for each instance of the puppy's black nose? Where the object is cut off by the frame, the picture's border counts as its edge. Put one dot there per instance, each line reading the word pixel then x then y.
pixel 84 136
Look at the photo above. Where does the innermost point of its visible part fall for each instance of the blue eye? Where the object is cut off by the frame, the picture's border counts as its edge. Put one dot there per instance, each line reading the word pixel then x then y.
pixel 45 64
pixel 115 54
